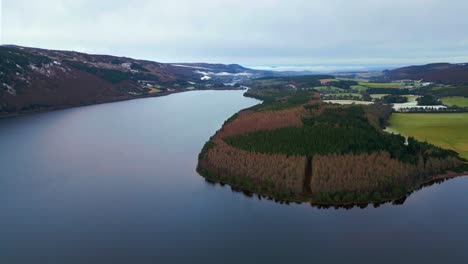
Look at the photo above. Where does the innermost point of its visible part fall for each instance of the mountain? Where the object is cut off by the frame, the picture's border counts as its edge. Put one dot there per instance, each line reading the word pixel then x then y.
pixel 34 79
pixel 445 73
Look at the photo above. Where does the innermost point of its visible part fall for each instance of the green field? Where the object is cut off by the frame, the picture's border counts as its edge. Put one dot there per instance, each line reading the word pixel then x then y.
pixel 377 96
pixel 359 88
pixel 380 85
pixel 438 88
pixel 456 100
pixel 348 102
pixel 445 130
pixel 411 98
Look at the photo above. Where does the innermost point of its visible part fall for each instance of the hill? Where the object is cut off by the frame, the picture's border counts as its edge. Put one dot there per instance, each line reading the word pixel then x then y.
pixel 444 73
pixel 34 79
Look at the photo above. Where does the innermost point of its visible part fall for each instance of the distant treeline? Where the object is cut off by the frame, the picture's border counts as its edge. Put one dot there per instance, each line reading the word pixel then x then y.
pixel 451 109
pixel 388 91
pixel 342 97
pixel 428 100
pixel 442 91
pixel 278 99
pixel 299 78
pixel 344 84
pixel 393 99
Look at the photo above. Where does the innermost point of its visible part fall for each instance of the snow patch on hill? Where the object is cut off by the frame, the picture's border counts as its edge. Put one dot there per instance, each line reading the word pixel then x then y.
pixel 9 89
pixel 189 66
pixel 233 74
pixel 206 75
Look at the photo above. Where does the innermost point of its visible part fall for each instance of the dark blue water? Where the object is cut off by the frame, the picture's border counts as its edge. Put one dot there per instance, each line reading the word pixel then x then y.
pixel 116 183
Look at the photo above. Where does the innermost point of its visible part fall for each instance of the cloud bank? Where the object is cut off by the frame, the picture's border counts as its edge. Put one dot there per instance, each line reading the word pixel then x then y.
pixel 260 32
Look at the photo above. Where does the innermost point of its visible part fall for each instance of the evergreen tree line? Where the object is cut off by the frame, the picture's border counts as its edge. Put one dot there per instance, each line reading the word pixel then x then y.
pixel 451 109
pixel 342 97
pixel 393 99
pixel 428 100
pixel 335 131
pixel 344 84
pixel 279 99
pixel 388 91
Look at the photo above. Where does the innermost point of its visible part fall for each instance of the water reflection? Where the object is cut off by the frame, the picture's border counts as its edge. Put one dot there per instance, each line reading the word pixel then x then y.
pixel 347 206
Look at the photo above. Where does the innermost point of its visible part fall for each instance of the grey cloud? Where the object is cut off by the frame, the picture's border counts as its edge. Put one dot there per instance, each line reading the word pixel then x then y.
pixel 244 31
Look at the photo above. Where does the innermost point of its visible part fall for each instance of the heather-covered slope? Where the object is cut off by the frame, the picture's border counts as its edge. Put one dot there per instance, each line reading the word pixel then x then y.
pixel 446 73
pixel 36 79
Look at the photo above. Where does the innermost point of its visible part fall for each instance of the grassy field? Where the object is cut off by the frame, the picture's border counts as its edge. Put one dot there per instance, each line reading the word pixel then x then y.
pixel 438 88
pixel 359 88
pixel 380 85
pixel 347 102
pixel 411 98
pixel 444 130
pixel 455 100
pixel 377 96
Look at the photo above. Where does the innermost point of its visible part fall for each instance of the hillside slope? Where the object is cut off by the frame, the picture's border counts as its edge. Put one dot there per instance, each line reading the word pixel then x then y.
pixel 36 79
pixel 446 73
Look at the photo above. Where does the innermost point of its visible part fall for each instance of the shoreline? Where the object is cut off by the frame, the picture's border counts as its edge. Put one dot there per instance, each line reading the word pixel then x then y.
pixel 435 179
pixel 107 101
pixel 302 199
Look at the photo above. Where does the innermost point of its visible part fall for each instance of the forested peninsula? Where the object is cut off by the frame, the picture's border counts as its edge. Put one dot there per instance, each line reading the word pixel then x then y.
pixel 294 147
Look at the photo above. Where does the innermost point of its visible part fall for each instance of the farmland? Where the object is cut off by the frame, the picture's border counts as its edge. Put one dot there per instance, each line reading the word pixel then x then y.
pixel 377 96
pixel 380 85
pixel 444 130
pixel 347 102
pixel 359 88
pixel 455 100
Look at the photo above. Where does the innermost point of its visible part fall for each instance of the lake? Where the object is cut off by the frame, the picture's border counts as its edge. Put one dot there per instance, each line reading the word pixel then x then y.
pixel 116 183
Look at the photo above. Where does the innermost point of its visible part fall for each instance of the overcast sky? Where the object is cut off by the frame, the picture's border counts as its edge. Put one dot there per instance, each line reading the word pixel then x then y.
pixel 250 32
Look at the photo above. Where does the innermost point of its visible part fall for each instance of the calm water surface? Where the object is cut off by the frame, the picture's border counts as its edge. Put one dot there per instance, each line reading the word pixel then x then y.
pixel 116 183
